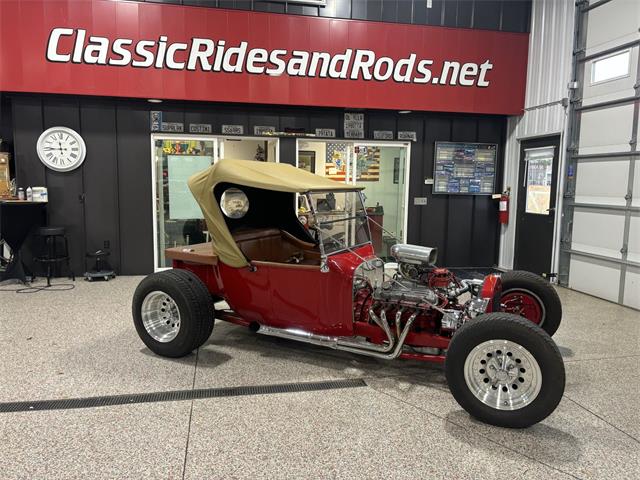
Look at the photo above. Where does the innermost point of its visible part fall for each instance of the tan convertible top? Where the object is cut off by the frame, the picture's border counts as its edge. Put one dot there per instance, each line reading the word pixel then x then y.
pixel 280 177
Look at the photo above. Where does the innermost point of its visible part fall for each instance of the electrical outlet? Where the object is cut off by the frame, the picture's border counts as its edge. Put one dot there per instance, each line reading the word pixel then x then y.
pixel 106 244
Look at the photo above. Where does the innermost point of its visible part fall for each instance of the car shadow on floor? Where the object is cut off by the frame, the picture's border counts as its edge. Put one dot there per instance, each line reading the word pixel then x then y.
pixel 541 441
pixel 232 340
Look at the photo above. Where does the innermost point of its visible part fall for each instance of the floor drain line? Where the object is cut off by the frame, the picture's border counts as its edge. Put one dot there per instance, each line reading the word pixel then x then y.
pixel 177 395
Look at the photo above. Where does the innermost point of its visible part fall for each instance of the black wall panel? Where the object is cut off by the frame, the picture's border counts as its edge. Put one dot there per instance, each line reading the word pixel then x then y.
pixel 484 238
pixel 435 14
pixel 235 116
pixel 325 119
pixel 265 120
pixel 508 15
pixel 516 16
pixel 380 121
pixel 487 14
pixel 294 121
pixel 390 11
pixel 6 129
pixel 66 189
pixel 464 14
pixel 116 176
pixel 450 13
pixel 27 127
pixel 434 216
pixel 99 129
pixel 272 7
pixel 134 188
pixel 460 212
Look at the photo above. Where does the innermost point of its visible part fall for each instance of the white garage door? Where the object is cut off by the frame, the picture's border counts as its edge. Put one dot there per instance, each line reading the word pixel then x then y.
pixel 601 215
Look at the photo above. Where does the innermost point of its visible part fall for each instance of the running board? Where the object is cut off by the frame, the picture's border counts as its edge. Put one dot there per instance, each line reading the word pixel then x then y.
pixel 347 344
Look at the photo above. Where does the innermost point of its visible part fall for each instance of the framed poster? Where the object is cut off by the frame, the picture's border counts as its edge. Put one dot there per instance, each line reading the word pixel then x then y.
pixel 464 168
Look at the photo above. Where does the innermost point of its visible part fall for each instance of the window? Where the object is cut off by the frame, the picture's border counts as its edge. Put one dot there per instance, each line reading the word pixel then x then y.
pixel 610 67
pixel 539 174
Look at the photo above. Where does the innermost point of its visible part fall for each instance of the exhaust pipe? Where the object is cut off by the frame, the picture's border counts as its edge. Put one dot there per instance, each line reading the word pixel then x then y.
pixel 348 344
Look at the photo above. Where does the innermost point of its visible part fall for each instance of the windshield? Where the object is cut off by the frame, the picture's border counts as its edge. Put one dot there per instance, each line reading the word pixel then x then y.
pixel 340 220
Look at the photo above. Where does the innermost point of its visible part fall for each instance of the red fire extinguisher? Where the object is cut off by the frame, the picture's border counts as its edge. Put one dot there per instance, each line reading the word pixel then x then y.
pixel 503 207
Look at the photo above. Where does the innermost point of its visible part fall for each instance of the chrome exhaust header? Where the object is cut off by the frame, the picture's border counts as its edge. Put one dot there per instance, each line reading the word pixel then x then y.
pixel 392 349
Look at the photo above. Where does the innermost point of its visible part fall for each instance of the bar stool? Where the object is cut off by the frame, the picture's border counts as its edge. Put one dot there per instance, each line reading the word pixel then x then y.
pixel 53 236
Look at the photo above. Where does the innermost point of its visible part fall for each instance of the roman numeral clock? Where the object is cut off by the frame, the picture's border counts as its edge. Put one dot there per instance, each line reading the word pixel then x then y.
pixel 61 149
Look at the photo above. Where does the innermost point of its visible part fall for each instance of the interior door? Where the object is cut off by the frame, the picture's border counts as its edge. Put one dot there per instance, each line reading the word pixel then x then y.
pixel 536 208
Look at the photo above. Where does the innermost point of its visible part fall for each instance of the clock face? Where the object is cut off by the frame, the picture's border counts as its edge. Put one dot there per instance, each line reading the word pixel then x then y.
pixel 61 149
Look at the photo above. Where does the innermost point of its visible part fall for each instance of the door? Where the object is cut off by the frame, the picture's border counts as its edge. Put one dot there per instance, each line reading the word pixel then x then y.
pixel 380 167
pixel 536 209
pixel 177 217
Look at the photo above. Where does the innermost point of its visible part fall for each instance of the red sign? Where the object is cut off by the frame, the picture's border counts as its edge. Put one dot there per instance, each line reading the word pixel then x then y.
pixel 131 49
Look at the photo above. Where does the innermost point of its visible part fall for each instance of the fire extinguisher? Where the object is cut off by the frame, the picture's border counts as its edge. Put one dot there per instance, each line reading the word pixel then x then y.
pixel 503 207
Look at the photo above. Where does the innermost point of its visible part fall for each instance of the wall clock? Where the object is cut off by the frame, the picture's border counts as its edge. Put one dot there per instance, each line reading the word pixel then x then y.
pixel 61 149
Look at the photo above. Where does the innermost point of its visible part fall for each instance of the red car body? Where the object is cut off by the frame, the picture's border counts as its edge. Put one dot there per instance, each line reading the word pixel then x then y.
pixel 300 297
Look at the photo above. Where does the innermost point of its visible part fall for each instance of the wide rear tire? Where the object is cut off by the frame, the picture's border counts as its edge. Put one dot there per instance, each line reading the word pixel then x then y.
pixel 173 312
pixel 505 370
pixel 531 296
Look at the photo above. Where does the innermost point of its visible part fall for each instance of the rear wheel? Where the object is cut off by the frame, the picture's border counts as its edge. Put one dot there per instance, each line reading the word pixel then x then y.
pixel 173 312
pixel 530 296
pixel 505 370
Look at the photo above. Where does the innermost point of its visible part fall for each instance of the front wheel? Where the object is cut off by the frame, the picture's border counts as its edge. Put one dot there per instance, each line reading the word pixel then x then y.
pixel 532 297
pixel 173 312
pixel 504 370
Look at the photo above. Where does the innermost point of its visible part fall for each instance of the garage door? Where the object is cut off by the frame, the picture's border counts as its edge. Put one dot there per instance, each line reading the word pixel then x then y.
pixel 601 215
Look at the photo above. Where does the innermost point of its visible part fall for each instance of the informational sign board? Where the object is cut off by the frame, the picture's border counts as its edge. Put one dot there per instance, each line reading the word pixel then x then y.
pixel 354 125
pixel 383 134
pixel 263 130
pixel 182 205
pixel 326 132
pixel 464 168
pixel 200 128
pixel 233 129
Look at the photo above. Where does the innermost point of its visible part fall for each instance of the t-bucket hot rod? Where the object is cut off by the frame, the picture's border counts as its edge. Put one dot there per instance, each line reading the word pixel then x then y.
pixel 315 278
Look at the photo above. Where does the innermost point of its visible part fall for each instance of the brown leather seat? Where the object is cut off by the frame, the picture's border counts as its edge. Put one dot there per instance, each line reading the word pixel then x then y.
pixel 274 245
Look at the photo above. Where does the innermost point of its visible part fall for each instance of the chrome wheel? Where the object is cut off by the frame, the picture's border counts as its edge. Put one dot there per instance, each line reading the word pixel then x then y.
pixel 503 374
pixel 160 316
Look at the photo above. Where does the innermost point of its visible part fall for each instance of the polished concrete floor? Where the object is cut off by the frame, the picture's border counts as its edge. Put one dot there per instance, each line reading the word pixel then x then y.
pixel 402 424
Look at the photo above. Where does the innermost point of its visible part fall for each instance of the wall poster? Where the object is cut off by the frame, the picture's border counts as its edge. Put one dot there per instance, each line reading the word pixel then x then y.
pixel 367 164
pixel 336 163
pixel 464 168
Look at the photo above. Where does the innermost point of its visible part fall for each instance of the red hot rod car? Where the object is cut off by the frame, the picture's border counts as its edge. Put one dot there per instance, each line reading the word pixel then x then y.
pixel 315 279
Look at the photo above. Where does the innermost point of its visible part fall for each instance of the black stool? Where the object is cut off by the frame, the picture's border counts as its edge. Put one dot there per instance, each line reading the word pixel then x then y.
pixel 52 257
